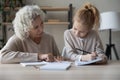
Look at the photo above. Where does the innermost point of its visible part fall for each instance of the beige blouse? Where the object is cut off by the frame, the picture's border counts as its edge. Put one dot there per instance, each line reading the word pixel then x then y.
pixel 17 50
pixel 91 43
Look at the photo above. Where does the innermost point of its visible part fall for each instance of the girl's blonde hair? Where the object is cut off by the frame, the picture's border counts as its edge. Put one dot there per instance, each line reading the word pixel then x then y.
pixel 24 18
pixel 88 16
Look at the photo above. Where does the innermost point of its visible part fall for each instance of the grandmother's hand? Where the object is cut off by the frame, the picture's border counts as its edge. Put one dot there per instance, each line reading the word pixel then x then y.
pixel 46 57
pixel 58 58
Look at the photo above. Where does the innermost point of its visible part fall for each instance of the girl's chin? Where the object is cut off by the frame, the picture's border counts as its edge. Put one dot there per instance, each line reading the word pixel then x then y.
pixel 81 36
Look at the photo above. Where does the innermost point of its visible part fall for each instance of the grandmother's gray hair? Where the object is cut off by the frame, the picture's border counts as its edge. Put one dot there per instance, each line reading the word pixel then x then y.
pixel 23 20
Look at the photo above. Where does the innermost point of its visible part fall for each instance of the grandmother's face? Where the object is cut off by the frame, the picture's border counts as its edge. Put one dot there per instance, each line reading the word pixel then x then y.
pixel 37 29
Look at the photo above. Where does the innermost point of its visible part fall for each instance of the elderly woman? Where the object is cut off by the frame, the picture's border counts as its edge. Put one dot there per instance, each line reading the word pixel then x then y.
pixel 30 42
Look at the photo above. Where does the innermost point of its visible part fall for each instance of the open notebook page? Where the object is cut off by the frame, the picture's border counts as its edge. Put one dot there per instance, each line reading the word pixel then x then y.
pixel 64 65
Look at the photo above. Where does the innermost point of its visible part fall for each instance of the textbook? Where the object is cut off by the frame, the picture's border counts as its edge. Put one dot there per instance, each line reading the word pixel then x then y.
pixel 80 63
pixel 63 65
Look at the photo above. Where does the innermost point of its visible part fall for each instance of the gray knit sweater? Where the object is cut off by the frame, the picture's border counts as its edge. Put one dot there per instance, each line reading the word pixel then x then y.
pixel 17 50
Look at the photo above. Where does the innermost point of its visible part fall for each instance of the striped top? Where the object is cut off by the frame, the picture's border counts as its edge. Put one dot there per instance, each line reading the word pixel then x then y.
pixel 90 43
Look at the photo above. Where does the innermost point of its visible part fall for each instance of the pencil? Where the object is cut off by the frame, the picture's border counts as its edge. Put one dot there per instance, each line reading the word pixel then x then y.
pixel 82 50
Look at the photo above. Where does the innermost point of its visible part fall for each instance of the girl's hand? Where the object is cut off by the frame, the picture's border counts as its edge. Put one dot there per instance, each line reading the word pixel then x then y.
pixel 104 59
pixel 89 57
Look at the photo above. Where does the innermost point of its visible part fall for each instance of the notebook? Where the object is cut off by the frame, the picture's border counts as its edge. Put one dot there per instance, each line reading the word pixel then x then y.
pixel 80 63
pixel 64 65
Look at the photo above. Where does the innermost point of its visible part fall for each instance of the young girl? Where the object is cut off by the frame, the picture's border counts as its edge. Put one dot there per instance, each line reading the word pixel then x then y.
pixel 82 42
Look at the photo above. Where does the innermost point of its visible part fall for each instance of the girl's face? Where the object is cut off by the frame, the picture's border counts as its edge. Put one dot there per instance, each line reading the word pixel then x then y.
pixel 37 30
pixel 79 30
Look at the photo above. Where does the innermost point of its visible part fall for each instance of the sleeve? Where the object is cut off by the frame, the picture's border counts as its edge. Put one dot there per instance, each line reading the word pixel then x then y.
pixel 13 52
pixel 99 46
pixel 69 48
pixel 55 48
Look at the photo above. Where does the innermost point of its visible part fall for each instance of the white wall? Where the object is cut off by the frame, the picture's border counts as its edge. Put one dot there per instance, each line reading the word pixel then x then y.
pixel 102 5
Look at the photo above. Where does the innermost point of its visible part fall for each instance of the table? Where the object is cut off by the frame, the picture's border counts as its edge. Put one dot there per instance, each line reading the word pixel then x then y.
pixel 111 71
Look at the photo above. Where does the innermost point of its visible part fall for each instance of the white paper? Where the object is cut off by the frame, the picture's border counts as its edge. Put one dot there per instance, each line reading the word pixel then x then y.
pixel 80 63
pixel 33 63
pixel 64 65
